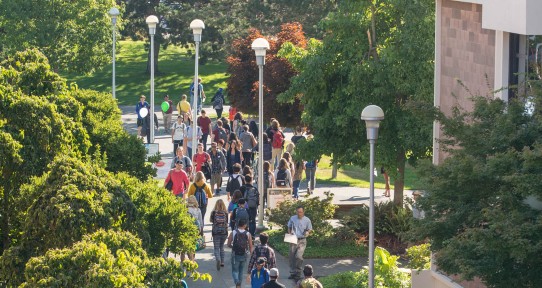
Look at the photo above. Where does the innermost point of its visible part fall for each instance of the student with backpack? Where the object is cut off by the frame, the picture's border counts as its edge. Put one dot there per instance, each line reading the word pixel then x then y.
pixel 240 213
pixel 268 180
pixel 235 181
pixel 237 195
pixel 248 142
pixel 259 275
pixel 240 241
pixel 177 133
pixel 262 250
pixel 219 218
pixel 218 102
pixel 201 191
pixel 219 132
pixel 252 197
pixel 195 212
pixel 277 141
pixel 283 175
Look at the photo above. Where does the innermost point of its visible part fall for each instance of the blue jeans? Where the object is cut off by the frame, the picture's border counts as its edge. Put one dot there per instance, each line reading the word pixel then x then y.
pixel 311 178
pixel 238 268
pixel 252 212
pixel 296 189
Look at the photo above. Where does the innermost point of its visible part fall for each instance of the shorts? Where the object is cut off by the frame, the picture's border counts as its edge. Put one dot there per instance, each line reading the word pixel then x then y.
pixel 139 122
pixel 216 179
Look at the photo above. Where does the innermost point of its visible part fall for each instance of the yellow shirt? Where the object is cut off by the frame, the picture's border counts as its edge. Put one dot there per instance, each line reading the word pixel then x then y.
pixel 207 188
pixel 183 106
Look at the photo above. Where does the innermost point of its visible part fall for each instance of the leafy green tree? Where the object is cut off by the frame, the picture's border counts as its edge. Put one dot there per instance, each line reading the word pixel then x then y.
pixel 373 52
pixel 75 35
pixel 482 211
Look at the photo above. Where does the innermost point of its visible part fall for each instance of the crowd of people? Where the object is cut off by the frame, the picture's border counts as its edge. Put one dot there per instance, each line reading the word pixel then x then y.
pixel 227 146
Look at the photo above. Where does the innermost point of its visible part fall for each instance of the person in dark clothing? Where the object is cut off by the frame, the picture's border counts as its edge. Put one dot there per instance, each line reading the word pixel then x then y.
pixel 218 102
pixel 273 279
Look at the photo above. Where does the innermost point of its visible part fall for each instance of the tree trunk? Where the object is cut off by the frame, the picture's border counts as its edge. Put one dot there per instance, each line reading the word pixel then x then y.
pixel 399 182
pixel 156 51
pixel 334 167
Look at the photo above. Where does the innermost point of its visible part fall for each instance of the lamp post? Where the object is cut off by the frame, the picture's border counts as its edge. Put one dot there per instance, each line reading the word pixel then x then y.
pixel 114 12
pixel 372 115
pixel 260 46
pixel 197 27
pixel 152 21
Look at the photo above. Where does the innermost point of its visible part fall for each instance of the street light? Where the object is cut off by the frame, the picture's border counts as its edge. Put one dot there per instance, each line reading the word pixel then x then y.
pixel 260 46
pixel 114 12
pixel 152 21
pixel 372 115
pixel 197 27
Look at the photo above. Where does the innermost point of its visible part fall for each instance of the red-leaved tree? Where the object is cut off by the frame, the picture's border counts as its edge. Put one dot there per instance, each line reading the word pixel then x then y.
pixel 243 82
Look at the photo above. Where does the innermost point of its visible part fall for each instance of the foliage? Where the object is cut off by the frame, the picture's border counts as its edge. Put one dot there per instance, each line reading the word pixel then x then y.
pixel 317 209
pixel 419 257
pixel 373 52
pixel 74 35
pixel 387 274
pixel 105 259
pixel 479 212
pixel 243 82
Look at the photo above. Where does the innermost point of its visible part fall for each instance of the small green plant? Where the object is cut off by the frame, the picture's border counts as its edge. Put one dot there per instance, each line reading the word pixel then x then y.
pixel 419 257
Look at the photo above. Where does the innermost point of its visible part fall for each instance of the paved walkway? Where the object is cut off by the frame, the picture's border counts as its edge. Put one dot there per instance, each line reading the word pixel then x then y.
pixel 205 257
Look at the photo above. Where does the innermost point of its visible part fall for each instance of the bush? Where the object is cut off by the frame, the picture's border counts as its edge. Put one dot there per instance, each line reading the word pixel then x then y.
pixel 347 279
pixel 317 209
pixel 419 257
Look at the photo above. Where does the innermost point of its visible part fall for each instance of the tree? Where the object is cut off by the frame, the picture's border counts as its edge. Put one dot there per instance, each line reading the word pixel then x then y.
pixel 373 52
pixel 243 82
pixel 479 212
pixel 74 35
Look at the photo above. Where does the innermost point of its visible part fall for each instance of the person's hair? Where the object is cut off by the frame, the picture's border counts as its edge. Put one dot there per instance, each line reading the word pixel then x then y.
pixel 219 123
pixel 298 165
pixel 142 96
pixel 242 223
pixel 283 164
pixel 248 178
pixel 183 97
pixel 191 201
pixel 199 177
pixel 253 127
pixel 307 270
pixel 299 207
pixel 225 120
pixel 237 145
pixel 203 111
pixel 265 138
pixel 287 156
pixel 271 120
pixel 180 117
pixel 188 120
pixel 290 147
pixel 241 201
pixel 275 124
pixel 247 170
pixel 179 148
pixel 167 96
pixel 220 206
pixel 221 142
pixel 266 166
pixel 236 168
pixel 298 129
pixel 237 194
pixel 238 116
pixel 233 137
pixel 245 127
pixel 263 238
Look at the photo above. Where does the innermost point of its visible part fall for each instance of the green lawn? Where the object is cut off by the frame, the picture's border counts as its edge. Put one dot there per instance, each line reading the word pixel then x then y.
pixel 176 69
pixel 349 175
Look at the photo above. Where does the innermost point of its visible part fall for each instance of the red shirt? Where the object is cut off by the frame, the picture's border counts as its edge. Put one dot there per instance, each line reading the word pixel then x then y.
pixel 199 159
pixel 204 123
pixel 180 181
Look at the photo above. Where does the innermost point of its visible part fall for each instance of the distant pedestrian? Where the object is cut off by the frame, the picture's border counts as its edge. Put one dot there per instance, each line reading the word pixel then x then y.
pixel 141 104
pixel 269 130
pixel 183 107
pixel 298 135
pixel 201 94
pixel 188 136
pixel 218 102
pixel 226 125
pixel 240 241
pixel 273 279
pixel 232 137
pixel 204 123
pixel 219 132
pixel 195 211
pixel 240 213
pixel 309 281
pixel 386 180
pixel 219 218
pixel 201 192
pixel 187 163
pixel 179 179
pixel 200 159
pixel 235 181
pixel 268 180
pixel 218 166
pixel 310 172
pixel 253 128
pixel 267 149
pixel 247 170
pixel 262 250
pixel 283 176
pixel 177 133
pixel 259 275
pixel 234 156
pixel 298 175
pixel 234 203
pixel 288 157
pixel 237 123
pixel 166 115
pixel 232 113
pixel 252 197
pixel 277 141
pixel 248 142
pixel 301 226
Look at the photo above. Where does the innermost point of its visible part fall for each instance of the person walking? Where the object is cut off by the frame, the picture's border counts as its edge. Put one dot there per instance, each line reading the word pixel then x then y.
pixel 283 176
pixel 219 218
pixel 309 281
pixel 201 94
pixel 218 165
pixel 187 163
pixel 273 279
pixel 310 173
pixel 201 158
pixel 290 160
pixel 240 213
pixel 298 175
pixel 141 104
pixel 188 136
pixel 268 180
pixel 234 203
pixel 237 123
pixel 277 141
pixel 240 241
pixel 219 132
pixel 235 181
pixel 218 102
pixel 252 197
pixel 177 133
pixel 262 250
pixel 183 107
pixel 386 180
pixel 195 211
pixel 248 142
pixel 301 226
pixel 259 275
pixel 298 135
pixel 201 192
pixel 204 123
pixel 167 114
pixel 179 179
pixel 233 156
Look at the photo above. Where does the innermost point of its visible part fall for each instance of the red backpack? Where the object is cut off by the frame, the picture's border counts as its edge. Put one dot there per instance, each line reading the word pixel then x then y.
pixel 278 139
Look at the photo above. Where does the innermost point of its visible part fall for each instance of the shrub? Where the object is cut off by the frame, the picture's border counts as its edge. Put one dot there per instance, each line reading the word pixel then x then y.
pixel 419 257
pixel 317 209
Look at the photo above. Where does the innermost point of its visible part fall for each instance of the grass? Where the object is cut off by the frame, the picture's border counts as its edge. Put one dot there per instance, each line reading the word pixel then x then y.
pixel 349 175
pixel 176 71
pixel 316 248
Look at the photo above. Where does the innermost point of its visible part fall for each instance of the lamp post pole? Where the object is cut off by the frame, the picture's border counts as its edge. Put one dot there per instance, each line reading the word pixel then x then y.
pixel 152 21
pixel 372 115
pixel 114 12
pixel 197 27
pixel 260 46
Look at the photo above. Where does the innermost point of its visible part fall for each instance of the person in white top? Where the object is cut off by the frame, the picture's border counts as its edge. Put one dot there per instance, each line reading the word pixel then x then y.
pixel 188 137
pixel 177 133
pixel 195 213
pixel 283 176
pixel 240 241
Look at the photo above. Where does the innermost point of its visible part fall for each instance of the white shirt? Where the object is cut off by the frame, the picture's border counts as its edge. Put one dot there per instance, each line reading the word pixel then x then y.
pixel 178 129
pixel 188 134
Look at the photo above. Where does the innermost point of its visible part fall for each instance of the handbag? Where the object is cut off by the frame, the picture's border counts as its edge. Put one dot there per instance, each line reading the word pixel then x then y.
pixel 169 185
pixel 206 169
pixel 200 243
pixel 290 238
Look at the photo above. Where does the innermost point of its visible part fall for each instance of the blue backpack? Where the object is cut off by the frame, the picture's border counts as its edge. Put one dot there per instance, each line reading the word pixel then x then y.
pixel 200 195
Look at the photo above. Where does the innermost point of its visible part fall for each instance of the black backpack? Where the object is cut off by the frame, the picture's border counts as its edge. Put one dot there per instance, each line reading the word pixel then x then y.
pixel 200 195
pixel 266 181
pixel 239 214
pixel 233 184
pixel 240 243
pixel 281 178
pixel 252 196
pixel 220 223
